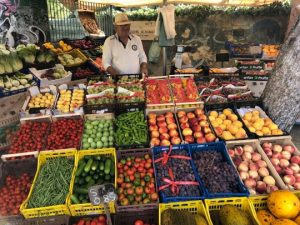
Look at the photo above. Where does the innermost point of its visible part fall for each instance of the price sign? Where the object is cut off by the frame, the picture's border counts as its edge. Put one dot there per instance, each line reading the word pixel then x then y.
pixel 102 194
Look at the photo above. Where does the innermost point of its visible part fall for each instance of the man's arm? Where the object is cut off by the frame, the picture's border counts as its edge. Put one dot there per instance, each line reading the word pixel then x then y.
pixel 107 58
pixel 144 68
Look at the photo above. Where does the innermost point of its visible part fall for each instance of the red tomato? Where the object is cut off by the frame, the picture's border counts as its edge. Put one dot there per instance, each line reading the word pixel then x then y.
pixel 139 222
pixel 148 165
pixel 140 169
pixel 102 218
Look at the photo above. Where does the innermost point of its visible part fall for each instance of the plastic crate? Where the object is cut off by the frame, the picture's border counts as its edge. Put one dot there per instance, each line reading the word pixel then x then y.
pixel 52 220
pixel 76 53
pixel 194 207
pixel 166 199
pixel 214 205
pixel 76 219
pixel 142 207
pixel 88 208
pixel 49 210
pixel 16 169
pixel 149 216
pixel 218 147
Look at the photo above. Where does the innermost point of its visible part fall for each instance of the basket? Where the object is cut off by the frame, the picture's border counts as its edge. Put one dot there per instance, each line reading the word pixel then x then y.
pixel 167 199
pixel 75 53
pixel 194 207
pixel 218 147
pixel 15 168
pixel 149 216
pixel 88 208
pixel 49 210
pixel 214 205
pixel 134 208
pixel 52 220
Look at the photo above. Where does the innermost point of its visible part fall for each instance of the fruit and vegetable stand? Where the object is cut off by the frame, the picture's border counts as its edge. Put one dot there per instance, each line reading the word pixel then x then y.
pixel 178 149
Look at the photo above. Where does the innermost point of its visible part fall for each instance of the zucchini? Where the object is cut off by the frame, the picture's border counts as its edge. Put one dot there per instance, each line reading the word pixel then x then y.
pixel 80 169
pixel 88 165
pixel 101 166
pixel 112 169
pixel 88 178
pixel 101 174
pixel 94 165
pixel 74 199
pixel 107 177
pixel 98 157
pixel 80 190
pixel 90 183
pixel 81 181
pixel 107 166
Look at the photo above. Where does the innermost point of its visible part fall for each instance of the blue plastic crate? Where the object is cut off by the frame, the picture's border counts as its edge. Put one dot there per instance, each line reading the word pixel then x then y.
pixel 218 147
pixel 163 197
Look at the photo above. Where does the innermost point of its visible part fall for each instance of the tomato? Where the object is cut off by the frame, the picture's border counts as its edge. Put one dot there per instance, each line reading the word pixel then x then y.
pixel 139 190
pixel 138 198
pixel 149 160
pixel 136 165
pixel 120 180
pixel 128 163
pixel 143 175
pixel 119 165
pixel 151 185
pixel 101 218
pixel 151 170
pixel 137 160
pixel 143 183
pixel 130 172
pixel 154 196
pixel 138 222
pixel 140 169
pixel 147 156
pixel 121 197
pixel 148 165
pixel 147 190
pixel 126 168
pixel 130 191
pixel 131 178
pixel 124 202
pixel 128 185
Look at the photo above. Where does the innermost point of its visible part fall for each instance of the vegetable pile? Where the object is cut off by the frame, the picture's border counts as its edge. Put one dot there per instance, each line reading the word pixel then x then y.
pixel 69 60
pixel 101 220
pixel 158 92
pixel 32 54
pixel 130 90
pixel 13 193
pixel 131 129
pixel 92 170
pixel 57 72
pixel 136 183
pixel 16 81
pixel 184 90
pixel 98 133
pixel 100 92
pixel 41 101
pixel 52 184
pixel 65 133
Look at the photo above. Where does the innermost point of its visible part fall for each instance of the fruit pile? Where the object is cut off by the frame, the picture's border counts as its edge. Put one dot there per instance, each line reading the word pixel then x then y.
pixel 41 101
pixel 57 72
pixel 69 100
pixel 62 47
pixel 270 50
pixel 184 90
pixel 82 73
pixel 177 168
pixel 286 161
pixel 259 124
pixel 136 182
pixel 226 125
pixel 253 169
pixel 65 133
pixel 130 90
pixel 83 44
pixel 283 208
pixel 195 127
pixel 98 133
pixel 218 175
pixel 69 60
pixel 158 92
pixel 163 129
pixel 13 193
pixel 100 92
pixel 101 220
pixel 141 222
pixel 30 137
pixel 174 217
pixel 92 170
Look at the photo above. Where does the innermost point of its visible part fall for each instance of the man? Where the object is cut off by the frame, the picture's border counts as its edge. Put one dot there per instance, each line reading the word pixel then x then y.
pixel 123 52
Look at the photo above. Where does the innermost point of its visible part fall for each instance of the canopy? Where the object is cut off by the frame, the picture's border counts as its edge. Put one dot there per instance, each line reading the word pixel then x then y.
pixel 135 3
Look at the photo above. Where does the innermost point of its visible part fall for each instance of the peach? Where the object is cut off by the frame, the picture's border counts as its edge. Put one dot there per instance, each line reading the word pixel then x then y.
pixel 175 140
pixel 210 137
pixel 202 117
pixel 200 140
pixel 169 115
pixel 163 130
pixel 184 125
pixel 152 116
pixel 284 163
pixel 239 150
pixel 277 155
pixel 189 139
pixel 164 136
pixel 152 121
pixel 196 128
pixel 268 152
pixel 295 167
pixel 289 179
pixel 173 133
pixel 267 145
pixel 172 126
pixel 277 148
pixel 250 183
pixel 154 142
pixel 207 130
pixel 193 122
pixel 190 115
pixel 199 112
pixel 289 148
pixel 154 134
pixel 261 187
pixel 203 123
pixel 256 156
pixel 231 153
pixel 160 118
pixel 286 155
pixel 187 132
pixel 165 143
pixel 253 166
pixel 288 171
pixel 153 127
pixel 198 134
pixel 181 114
pixel 170 120
pixel 162 124
pixel 295 159
pixel 218 131
pixel 275 161
pixel 184 119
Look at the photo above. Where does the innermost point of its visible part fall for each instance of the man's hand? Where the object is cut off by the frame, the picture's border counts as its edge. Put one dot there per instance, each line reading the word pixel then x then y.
pixel 144 69
pixel 111 71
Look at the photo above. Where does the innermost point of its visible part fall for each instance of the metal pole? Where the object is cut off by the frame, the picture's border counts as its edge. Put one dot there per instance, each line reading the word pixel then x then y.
pixel 164 51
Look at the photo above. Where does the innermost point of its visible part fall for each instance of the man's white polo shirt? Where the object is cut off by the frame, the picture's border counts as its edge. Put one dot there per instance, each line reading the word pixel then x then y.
pixel 125 59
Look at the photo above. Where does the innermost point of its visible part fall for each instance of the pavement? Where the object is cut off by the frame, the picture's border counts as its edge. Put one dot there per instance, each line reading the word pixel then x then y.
pixel 295 133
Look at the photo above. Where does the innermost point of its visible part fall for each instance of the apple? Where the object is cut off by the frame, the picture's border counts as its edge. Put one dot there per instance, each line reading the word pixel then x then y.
pixel 187 132
pixel 277 148
pixel 154 134
pixel 289 148
pixel 295 159
pixel 175 140
pixel 164 136
pixel 202 117
pixel 218 131
pixel 201 140
pixel 193 121
pixel 184 119
pixel 198 134
pixel 173 133
pixel 203 123
pixel 231 153
pixel 162 124
pixel 163 130
pixel 170 120
pixel 210 137
pixel 190 115
pixel 154 142
pixel 277 155
pixel 207 130
pixel 199 112
pixel 169 115
pixel 152 116
pixel 165 143
pixel 152 121
pixel 184 125
pixel 160 118
pixel 267 145
pixel 189 139
pixel 172 126
pixel 181 114
pixel 153 127
pixel 286 155
pixel 196 128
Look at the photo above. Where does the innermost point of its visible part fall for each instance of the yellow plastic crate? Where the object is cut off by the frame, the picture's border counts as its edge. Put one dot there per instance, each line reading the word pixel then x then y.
pixel 49 210
pixel 242 203
pixel 88 208
pixel 75 53
pixel 195 207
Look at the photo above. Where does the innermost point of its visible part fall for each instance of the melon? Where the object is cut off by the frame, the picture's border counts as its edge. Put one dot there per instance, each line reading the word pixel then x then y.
pixel 283 204
pixel 283 222
pixel 264 217
pixel 297 220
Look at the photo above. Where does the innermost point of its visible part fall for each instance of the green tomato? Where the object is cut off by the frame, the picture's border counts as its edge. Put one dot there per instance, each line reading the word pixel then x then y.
pixel 99 135
pixel 111 144
pixel 105 144
pixel 95 122
pixel 100 125
pixel 111 138
pixel 89 127
pixel 104 139
pixel 90 140
pixel 85 145
pixel 105 134
pixel 93 145
pixel 99 144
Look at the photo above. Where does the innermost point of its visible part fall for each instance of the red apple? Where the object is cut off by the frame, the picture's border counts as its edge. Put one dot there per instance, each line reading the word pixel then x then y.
pixel 162 124
pixel 152 116
pixel 154 142
pixel 163 130
pixel 184 125
pixel 153 127
pixel 210 137
pixel 191 115
pixel 196 128
pixel 172 126
pixel 207 130
pixel 201 140
pixel 170 120
pixel 175 141
pixel 173 133
pixel 267 145
pixel 189 139
pixel 203 123
pixel 198 134
pixel 169 115
pixel 164 136
pixel 199 112
pixel 181 114
pixel 152 121
pixel 193 121
pixel 184 119
pixel 187 132
pixel 165 143
pixel 218 131
pixel 202 117
pixel 154 134
pixel 160 118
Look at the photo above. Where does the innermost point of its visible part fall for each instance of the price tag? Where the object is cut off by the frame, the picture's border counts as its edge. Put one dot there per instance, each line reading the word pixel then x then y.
pixel 102 194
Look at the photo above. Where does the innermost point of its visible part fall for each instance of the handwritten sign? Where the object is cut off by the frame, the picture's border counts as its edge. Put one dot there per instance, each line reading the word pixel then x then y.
pixel 144 29
pixel 102 194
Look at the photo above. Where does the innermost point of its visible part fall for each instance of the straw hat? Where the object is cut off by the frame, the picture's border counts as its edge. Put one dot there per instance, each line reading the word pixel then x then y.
pixel 121 19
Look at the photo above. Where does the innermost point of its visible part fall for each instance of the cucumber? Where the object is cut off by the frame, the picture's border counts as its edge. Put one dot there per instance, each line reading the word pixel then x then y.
pixel 112 169
pixel 80 190
pixel 90 183
pixel 94 165
pixel 81 197
pixel 80 169
pixel 107 177
pixel 98 157
pixel 96 177
pixel 74 199
pixel 101 166
pixel 107 166
pixel 101 174
pixel 88 165
pixel 81 181
pixel 92 172
pixel 88 178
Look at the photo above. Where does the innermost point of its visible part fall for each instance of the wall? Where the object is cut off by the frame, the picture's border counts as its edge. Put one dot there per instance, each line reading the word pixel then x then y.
pixel 23 21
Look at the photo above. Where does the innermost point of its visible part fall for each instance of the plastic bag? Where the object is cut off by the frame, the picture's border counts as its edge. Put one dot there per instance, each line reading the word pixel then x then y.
pixel 154 52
